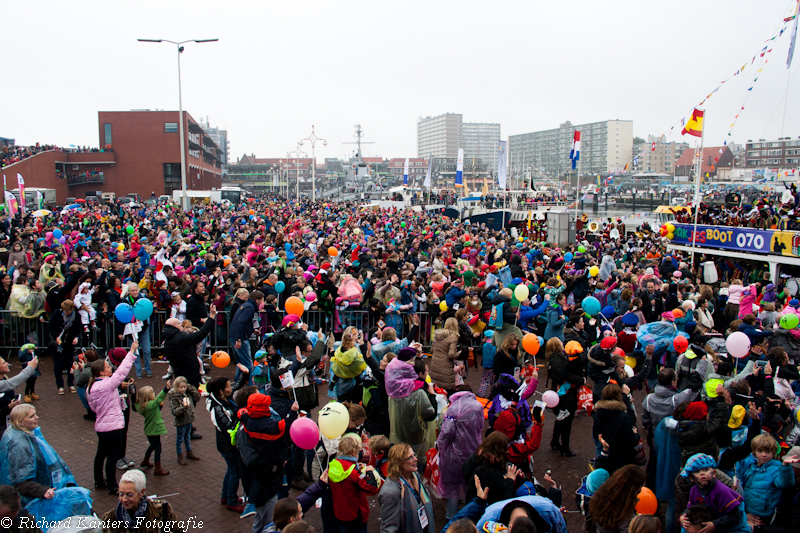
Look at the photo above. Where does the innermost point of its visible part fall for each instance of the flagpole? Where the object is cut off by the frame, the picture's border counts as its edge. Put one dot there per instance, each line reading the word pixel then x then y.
pixel 697 184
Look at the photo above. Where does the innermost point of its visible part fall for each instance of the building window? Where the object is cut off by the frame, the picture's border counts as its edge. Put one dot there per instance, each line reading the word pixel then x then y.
pixel 172 177
pixel 108 133
pixel 170 127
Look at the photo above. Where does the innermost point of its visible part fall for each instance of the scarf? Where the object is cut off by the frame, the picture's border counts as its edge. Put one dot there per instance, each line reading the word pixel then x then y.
pixel 123 515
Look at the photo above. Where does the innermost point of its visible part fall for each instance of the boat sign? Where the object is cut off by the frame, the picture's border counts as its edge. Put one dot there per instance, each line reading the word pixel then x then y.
pixel 728 238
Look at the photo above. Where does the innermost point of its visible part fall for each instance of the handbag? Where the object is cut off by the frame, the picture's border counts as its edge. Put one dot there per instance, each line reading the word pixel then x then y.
pixel 431 478
pixel 641 456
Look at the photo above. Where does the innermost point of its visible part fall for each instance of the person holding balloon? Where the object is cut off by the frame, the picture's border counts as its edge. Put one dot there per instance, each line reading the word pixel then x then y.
pixel 64 329
pixel 566 371
pixel 241 328
pixel 137 325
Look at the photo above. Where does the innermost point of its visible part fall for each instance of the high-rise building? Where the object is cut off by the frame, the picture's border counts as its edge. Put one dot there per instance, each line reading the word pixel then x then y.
pixel 220 137
pixel 781 153
pixel 439 136
pixel 605 146
pixel 480 142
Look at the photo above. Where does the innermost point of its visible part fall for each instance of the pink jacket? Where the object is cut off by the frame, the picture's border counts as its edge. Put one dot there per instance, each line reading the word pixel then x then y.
pixel 735 294
pixel 748 299
pixel 104 398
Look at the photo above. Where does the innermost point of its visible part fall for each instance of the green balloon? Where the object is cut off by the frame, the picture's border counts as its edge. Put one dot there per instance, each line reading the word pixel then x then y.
pixel 130 230
pixel 790 321
pixel 582 249
pixel 402 224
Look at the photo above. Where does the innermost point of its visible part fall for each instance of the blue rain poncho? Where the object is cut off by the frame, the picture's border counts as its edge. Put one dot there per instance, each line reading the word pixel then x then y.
pixel 28 456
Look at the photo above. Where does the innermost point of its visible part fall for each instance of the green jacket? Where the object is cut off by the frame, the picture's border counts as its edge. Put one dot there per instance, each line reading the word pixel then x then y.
pixel 153 423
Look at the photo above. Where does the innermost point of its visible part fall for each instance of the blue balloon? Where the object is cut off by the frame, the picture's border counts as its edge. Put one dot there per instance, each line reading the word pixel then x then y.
pixel 124 313
pixel 591 305
pixel 280 287
pixel 57 233
pixel 143 309
pixel 568 257
pixel 541 341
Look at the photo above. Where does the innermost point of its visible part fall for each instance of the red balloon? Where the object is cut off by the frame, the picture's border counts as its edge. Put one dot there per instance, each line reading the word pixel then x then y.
pixel 647 504
pixel 681 344
pixel 619 351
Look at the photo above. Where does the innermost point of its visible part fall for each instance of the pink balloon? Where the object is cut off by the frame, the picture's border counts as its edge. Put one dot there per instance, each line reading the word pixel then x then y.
pixel 677 273
pixel 550 398
pixel 738 344
pixel 311 296
pixel 304 433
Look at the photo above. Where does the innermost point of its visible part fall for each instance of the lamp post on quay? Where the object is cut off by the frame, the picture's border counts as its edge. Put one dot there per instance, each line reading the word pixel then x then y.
pixel 297 153
pixel 313 139
pixel 184 197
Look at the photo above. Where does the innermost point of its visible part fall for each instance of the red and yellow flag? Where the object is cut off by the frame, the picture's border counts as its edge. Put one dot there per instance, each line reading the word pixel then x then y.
pixel 695 124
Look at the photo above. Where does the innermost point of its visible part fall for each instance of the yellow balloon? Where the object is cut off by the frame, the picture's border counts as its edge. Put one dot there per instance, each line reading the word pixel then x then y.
pixel 594 271
pixel 333 420
pixel 521 292
pixel 670 227
pixel 443 306
pixel 121 247
pixel 630 361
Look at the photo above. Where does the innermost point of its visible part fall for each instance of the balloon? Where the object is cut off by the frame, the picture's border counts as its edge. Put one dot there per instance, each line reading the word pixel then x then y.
pixel 130 230
pixel 582 249
pixel 333 420
pixel 252 212
pixel 226 261
pixel 521 292
pixel 591 305
pixel 670 227
pixel 121 247
pixel 630 361
pixel 124 313
pixel 304 433
pixel 677 274
pixel 333 252
pixel 541 340
pixel 62 240
pixel 594 271
pixel 220 359
pixel 402 224
pixel 681 344
pixel 568 257
pixel 790 321
pixel 57 233
pixel 279 287
pixel 143 309
pixel 629 371
pixel 294 306
pixel 443 306
pixel 647 503
pixel 311 296
pixel 550 398
pixel 530 343
pixel 738 344
pixel 670 236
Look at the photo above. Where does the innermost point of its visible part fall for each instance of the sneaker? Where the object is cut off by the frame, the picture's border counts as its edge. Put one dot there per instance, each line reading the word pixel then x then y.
pixel 73 389
pixel 149 374
pixel 131 464
pixel 237 508
pixel 166 377
pixel 249 510
pixel 196 436
pixel 122 464
pixel 139 376
pixel 61 390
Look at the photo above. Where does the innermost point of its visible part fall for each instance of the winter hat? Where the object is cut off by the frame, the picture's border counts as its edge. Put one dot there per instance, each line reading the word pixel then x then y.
pixel 573 347
pixel 506 422
pixel 630 319
pixel 608 342
pixel 290 320
pixel 608 311
pixel 117 355
pixel 407 354
pixel 737 417
pixel 595 479
pixel 698 462
pixel 794 302
pixel 696 411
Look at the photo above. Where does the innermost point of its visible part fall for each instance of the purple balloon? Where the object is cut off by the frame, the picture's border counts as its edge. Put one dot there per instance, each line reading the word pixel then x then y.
pixel 62 240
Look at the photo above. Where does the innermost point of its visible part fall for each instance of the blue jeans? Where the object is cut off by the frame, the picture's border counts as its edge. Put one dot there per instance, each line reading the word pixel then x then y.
pixel 144 352
pixel 82 396
pixel 230 485
pixel 184 435
pixel 242 356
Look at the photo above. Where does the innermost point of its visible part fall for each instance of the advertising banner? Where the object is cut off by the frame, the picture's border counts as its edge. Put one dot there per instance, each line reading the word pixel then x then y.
pixel 727 238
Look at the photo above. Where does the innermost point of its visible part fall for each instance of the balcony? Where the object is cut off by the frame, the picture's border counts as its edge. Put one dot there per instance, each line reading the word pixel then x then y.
pixel 85 178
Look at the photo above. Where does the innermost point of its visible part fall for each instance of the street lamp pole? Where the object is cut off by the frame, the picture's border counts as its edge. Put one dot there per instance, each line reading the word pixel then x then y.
pixel 297 154
pixel 313 139
pixel 184 197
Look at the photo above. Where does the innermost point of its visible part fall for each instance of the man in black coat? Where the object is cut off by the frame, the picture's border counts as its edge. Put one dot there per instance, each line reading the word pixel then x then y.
pixel 179 346
pixel 196 304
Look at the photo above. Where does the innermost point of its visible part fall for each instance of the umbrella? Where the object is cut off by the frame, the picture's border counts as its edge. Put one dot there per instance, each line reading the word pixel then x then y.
pixel 81 201
pixel 73 206
pixel 41 213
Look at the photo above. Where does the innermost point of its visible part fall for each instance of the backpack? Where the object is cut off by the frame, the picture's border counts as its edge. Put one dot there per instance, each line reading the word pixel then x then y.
pixel 496 317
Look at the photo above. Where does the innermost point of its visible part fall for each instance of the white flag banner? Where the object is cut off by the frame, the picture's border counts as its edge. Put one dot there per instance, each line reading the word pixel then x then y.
pixel 405 174
pixel 428 174
pixel 502 163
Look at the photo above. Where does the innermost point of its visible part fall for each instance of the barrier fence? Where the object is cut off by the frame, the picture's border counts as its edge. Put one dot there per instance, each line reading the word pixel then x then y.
pixel 16 330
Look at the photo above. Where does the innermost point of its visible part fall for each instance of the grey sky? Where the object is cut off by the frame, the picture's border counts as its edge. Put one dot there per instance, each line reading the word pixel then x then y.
pixel 280 67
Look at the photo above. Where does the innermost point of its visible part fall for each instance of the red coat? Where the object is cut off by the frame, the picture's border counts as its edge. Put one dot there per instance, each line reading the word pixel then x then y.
pixel 350 490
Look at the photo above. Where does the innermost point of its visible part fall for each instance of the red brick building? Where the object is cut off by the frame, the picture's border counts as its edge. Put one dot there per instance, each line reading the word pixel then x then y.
pixel 141 154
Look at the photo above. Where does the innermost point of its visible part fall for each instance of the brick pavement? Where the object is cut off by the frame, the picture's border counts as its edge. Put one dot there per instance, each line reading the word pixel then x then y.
pixel 199 483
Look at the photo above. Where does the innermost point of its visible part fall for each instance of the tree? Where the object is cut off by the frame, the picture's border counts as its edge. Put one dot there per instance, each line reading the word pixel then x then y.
pixel 638 140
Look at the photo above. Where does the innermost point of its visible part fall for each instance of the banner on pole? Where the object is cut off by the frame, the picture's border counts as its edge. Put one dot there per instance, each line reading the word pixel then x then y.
pixel 502 163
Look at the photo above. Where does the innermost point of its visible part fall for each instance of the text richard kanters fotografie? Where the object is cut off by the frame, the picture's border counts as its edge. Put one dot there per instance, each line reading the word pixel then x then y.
pixel 167 526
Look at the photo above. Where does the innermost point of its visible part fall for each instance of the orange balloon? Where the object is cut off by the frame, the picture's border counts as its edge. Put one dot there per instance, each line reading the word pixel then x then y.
pixel 530 343
pixel 220 359
pixel 333 252
pixel 647 504
pixel 294 306
pixel 252 212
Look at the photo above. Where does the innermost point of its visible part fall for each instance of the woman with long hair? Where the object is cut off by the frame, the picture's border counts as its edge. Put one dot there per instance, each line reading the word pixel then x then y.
pixel 489 463
pixel 566 371
pixel 402 498
pixel 507 357
pixel 445 352
pixel 614 504
pixel 612 420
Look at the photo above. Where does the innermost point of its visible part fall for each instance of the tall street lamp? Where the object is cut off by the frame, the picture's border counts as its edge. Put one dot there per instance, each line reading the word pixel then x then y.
pixel 297 153
pixel 313 139
pixel 184 197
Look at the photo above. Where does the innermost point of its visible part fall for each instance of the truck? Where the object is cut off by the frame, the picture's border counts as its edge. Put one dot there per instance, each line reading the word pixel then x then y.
pixel 48 195
pixel 231 194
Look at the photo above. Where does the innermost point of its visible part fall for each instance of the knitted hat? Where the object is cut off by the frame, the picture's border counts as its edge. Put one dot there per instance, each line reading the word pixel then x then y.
pixel 117 355
pixel 608 342
pixel 407 354
pixel 506 423
pixel 696 411
pixel 698 462
pixel 794 302
pixel 595 479
pixel 290 320
pixel 608 311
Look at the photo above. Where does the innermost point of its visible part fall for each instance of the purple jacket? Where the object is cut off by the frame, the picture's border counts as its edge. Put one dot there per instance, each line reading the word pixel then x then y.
pixel 104 398
pixel 459 437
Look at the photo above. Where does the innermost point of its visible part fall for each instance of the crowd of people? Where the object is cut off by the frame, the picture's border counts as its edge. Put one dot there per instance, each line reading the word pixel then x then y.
pixel 10 154
pixel 448 350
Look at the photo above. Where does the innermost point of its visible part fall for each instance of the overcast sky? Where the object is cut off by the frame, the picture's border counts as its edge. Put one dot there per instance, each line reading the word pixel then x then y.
pixel 280 67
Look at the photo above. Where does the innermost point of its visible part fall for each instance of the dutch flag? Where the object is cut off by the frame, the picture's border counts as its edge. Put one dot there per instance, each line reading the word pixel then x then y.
pixel 575 153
